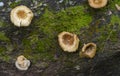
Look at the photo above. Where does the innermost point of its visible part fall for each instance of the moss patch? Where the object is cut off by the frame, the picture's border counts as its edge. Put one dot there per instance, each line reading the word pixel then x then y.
pixel 111 4
pixel 70 19
pixel 43 40
pixel 115 19
pixel 109 32
pixel 2 23
pixel 3 55
pixel 14 4
pixel 3 37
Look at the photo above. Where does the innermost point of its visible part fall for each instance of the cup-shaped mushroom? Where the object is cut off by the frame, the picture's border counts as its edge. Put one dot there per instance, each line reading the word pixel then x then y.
pixel 88 50
pixel 97 3
pixel 21 16
pixel 69 42
pixel 22 63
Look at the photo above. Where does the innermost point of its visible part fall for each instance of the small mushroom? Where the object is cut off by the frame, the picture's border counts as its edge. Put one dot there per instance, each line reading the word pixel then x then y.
pixel 69 42
pixel 97 3
pixel 22 63
pixel 21 16
pixel 88 50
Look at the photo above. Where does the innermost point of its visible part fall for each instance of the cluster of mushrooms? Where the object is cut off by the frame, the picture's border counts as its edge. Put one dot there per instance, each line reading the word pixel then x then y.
pixel 22 16
pixel 69 42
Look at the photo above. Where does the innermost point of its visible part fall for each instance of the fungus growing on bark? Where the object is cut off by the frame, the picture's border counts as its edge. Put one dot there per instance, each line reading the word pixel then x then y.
pixel 21 16
pixel 97 3
pixel 22 63
pixel 69 42
pixel 88 50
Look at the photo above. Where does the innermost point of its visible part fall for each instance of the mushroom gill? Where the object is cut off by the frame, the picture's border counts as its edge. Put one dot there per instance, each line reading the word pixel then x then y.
pixel 88 50
pixel 97 3
pixel 69 42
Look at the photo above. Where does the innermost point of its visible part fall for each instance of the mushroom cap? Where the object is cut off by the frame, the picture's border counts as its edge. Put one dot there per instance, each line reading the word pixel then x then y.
pixel 22 63
pixel 20 59
pixel 69 42
pixel 21 16
pixel 88 50
pixel 97 3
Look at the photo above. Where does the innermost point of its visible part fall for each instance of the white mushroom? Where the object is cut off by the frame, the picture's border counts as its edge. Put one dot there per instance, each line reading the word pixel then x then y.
pixel 21 16
pixel 22 63
pixel 88 50
pixel 69 42
pixel 97 3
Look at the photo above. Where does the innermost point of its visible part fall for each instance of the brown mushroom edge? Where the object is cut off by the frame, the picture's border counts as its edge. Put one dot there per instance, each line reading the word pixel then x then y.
pixel 97 3
pixel 88 50
pixel 69 42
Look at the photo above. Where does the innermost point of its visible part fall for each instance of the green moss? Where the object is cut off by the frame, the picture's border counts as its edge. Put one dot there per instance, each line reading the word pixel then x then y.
pixel 37 49
pixel 3 37
pixel 70 19
pixel 42 41
pixel 43 45
pixel 109 32
pixel 115 19
pixel 51 24
pixel 111 4
pixel 3 55
pixel 2 34
pixel 14 4
pixel 2 23
pixel 115 22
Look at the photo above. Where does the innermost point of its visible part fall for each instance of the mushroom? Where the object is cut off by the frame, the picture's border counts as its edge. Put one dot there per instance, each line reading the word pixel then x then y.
pixel 21 16
pixel 97 3
pixel 69 42
pixel 22 63
pixel 88 50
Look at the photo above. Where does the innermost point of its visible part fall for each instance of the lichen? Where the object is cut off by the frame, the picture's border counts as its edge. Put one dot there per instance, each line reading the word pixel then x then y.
pixel 70 19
